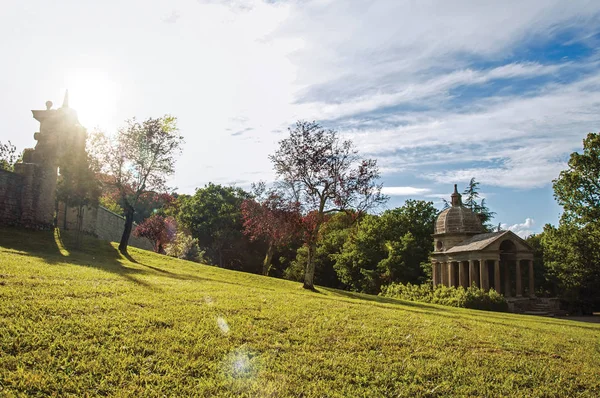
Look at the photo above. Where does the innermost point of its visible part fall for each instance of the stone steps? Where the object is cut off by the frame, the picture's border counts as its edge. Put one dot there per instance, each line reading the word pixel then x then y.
pixel 540 307
pixel 539 313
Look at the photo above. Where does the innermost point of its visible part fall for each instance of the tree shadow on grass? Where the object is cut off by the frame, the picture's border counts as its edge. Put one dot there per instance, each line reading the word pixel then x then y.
pixel 382 300
pixel 498 318
pixel 59 247
pixel 56 248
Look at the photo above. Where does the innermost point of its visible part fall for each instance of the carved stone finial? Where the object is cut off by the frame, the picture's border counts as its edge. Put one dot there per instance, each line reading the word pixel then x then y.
pixel 456 197
pixel 48 105
pixel 66 99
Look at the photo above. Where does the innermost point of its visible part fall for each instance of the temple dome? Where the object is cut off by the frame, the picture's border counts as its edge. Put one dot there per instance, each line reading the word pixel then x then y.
pixel 458 219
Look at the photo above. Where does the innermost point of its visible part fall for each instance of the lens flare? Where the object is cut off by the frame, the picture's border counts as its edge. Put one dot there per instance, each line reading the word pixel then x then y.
pixel 223 326
pixel 241 363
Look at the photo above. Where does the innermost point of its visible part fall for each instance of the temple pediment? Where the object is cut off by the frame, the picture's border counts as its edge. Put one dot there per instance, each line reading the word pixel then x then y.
pixel 490 242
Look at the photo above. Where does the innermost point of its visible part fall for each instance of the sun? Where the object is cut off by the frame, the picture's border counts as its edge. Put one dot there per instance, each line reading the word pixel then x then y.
pixel 94 95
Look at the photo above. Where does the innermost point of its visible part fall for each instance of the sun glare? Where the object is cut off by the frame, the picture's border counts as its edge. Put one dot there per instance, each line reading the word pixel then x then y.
pixel 94 95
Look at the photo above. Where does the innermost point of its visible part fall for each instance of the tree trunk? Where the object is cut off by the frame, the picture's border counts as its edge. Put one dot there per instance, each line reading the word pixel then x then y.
pixel 268 258
pixel 309 273
pixel 56 213
pixel 127 231
pixel 65 216
pixel 79 226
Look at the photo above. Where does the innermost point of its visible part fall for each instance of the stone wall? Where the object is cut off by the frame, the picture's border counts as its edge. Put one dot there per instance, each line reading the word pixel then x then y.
pixel 101 223
pixel 11 186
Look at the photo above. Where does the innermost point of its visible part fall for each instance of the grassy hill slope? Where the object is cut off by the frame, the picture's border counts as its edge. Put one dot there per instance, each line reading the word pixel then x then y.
pixel 92 322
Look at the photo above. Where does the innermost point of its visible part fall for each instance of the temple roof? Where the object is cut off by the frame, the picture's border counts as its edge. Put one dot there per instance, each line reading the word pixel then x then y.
pixel 477 242
pixel 481 241
pixel 458 218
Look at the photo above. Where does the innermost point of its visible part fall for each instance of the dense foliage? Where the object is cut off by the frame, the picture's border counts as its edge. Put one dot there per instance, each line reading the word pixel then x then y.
pixel 185 247
pixel 213 215
pixel 471 297
pixel 332 236
pixel 572 259
pixel 577 189
pixel 388 248
pixel 571 251
pixel 271 218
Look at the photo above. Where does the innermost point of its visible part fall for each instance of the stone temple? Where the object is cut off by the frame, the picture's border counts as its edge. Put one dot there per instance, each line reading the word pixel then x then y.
pixel 465 255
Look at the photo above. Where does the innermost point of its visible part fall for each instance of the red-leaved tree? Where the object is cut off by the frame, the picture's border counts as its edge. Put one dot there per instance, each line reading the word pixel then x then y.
pixel 271 218
pixel 159 229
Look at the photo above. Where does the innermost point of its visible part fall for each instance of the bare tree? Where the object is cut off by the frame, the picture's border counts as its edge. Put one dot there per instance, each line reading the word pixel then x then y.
pixel 324 174
pixel 138 160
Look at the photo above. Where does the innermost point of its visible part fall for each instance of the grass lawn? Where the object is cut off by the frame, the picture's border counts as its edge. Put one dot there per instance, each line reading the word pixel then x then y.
pixel 91 322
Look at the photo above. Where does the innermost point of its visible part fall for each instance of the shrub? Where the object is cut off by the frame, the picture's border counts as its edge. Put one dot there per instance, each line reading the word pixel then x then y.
pixel 186 248
pixel 471 297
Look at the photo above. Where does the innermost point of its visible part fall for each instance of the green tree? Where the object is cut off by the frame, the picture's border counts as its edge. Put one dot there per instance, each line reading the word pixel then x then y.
pixel 213 216
pixel 544 280
pixel 577 189
pixel 332 236
pixel 389 248
pixel 572 251
pixel 572 257
pixel 138 161
pixel 470 198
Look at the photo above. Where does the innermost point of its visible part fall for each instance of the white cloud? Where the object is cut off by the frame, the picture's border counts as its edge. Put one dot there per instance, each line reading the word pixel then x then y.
pixel 522 142
pixel 353 48
pixel 435 89
pixel 522 229
pixel 404 191
pixel 229 66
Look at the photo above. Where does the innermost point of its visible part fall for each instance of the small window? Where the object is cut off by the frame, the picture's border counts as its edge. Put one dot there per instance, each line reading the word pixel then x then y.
pixel 439 246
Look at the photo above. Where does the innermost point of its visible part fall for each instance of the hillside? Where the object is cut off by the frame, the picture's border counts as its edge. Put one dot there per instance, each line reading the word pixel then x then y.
pixel 92 322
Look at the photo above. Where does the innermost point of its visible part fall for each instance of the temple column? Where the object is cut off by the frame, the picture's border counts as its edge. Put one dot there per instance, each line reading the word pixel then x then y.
pixel 497 280
pixel 434 273
pixel 461 274
pixel 518 278
pixel 472 274
pixel 483 275
pixel 531 277
pixel 452 273
pixel 444 272
pixel 507 290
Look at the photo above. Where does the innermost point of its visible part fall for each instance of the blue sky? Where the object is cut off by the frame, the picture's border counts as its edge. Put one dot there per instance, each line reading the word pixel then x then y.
pixel 437 91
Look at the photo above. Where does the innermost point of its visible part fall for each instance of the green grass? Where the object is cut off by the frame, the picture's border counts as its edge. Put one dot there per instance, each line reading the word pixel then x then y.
pixel 91 322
